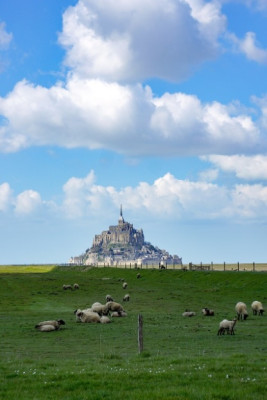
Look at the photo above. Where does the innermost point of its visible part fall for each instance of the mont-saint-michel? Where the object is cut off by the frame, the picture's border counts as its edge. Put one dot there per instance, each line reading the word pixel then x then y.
pixel 122 244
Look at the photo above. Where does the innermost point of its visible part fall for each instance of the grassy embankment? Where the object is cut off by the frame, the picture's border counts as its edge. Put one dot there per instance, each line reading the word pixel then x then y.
pixel 183 359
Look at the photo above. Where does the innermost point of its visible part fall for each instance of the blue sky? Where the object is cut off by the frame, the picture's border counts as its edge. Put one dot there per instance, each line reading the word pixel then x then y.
pixel 160 106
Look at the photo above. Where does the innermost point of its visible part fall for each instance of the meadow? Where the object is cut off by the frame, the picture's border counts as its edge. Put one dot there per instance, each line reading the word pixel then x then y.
pixel 183 358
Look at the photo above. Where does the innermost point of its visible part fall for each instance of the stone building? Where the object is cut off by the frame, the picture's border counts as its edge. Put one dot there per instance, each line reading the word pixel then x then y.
pixel 122 244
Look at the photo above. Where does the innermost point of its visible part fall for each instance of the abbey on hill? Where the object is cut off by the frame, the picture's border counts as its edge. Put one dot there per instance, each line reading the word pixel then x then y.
pixel 122 244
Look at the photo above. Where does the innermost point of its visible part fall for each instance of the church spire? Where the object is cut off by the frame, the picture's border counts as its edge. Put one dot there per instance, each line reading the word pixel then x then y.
pixel 121 220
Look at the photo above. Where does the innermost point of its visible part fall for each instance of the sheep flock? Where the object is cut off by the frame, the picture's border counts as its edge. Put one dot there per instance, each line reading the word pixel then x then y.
pixel 105 312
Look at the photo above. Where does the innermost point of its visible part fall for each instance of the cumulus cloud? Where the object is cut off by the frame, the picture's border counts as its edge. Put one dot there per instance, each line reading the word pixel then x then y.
pixel 27 202
pixel 167 197
pixel 132 40
pixel 126 118
pixel 244 167
pixel 250 47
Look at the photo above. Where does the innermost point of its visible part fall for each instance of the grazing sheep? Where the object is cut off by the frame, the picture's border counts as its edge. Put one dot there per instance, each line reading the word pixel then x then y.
pixel 257 308
pixel 226 325
pixel 241 310
pixel 119 314
pixel 54 322
pixel 101 309
pixel 207 312
pixel 109 298
pixel 124 285
pixel 113 306
pixel 126 297
pixel 138 276
pixel 88 317
pixel 76 286
pixel 188 314
pixel 67 287
pixel 104 319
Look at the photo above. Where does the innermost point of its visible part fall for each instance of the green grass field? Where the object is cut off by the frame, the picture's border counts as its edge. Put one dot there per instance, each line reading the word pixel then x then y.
pixel 183 358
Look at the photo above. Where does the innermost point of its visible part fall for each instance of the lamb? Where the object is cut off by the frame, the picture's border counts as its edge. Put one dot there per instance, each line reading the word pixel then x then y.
pixel 88 317
pixel 113 306
pixel 207 312
pixel 226 325
pixel 257 308
pixel 67 287
pixel 241 310
pixel 109 298
pixel 126 297
pixel 119 314
pixel 188 314
pixel 104 319
pixel 125 284
pixel 49 326
pixel 76 286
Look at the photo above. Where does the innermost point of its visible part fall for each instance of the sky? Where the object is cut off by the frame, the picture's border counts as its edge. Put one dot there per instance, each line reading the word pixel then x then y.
pixel 158 105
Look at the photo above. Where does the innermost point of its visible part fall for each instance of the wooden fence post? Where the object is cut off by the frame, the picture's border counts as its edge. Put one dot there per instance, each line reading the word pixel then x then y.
pixel 140 333
pixel 253 266
pixel 224 266
pixel 238 266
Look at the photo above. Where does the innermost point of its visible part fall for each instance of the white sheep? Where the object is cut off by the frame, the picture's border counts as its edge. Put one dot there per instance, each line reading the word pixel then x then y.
pixel 78 311
pixel 46 328
pixel 104 319
pixel 76 286
pixel 54 322
pixel 67 287
pixel 96 304
pixel 226 325
pixel 101 309
pixel 88 317
pixel 257 308
pixel 124 285
pixel 49 326
pixel 241 310
pixel 126 297
pixel 109 298
pixel 113 306
pixel 207 312
pixel 119 314
pixel 188 314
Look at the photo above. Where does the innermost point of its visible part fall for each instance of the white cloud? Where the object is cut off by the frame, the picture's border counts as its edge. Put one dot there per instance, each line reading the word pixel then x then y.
pixel 133 40
pixel 127 119
pixel 167 197
pixel 250 47
pixel 27 202
pixel 244 167
pixel 5 37
pixel 5 196
pixel 209 175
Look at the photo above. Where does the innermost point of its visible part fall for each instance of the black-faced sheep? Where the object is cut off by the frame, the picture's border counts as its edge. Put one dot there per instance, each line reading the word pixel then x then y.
pixel 101 309
pixel 207 312
pixel 257 308
pixel 138 276
pixel 67 287
pixel 113 306
pixel 241 310
pixel 49 326
pixel 226 325
pixel 124 285
pixel 46 328
pixel 76 286
pixel 109 298
pixel 188 314
pixel 88 317
pixel 126 297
